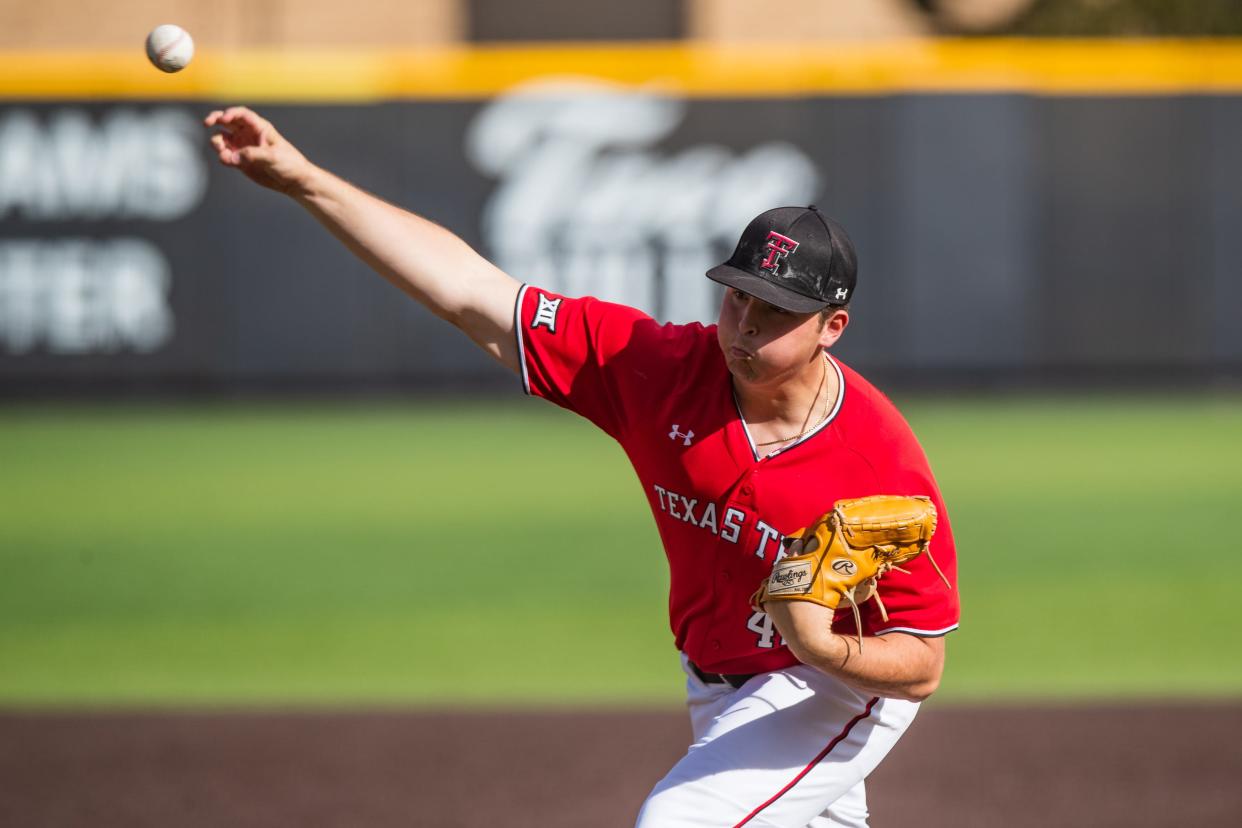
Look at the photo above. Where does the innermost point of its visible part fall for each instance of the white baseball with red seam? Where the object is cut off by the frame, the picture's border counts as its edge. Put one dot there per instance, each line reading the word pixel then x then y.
pixel 170 47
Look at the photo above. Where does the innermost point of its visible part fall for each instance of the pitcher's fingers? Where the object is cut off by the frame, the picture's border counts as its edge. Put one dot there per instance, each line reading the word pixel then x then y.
pixel 262 127
pixel 216 119
pixel 250 154
pixel 228 130
pixel 228 116
pixel 245 115
pixel 222 141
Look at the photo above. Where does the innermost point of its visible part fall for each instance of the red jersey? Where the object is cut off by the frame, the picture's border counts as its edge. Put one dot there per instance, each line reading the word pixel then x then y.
pixel 665 394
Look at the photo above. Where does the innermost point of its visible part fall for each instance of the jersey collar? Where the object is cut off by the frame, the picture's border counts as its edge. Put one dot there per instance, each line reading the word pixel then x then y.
pixel 832 415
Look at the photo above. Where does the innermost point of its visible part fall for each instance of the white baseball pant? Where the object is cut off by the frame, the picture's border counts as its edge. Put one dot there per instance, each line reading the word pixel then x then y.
pixel 788 749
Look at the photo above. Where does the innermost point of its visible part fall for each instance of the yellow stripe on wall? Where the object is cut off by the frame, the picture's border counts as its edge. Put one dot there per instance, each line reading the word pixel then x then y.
pixel 1048 67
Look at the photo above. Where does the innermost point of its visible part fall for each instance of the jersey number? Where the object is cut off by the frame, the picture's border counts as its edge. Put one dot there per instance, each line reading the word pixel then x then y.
pixel 760 623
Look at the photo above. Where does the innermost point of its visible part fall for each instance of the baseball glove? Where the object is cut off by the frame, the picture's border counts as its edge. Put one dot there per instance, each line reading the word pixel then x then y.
pixel 841 555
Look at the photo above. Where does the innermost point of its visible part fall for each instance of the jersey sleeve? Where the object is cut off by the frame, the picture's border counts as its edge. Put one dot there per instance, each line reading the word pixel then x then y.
pixel 598 359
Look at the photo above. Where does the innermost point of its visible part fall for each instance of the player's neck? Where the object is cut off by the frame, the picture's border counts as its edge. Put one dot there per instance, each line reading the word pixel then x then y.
pixel 790 405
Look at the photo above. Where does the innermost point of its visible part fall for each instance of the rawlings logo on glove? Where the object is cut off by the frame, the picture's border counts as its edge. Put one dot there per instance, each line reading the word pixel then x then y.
pixel 843 553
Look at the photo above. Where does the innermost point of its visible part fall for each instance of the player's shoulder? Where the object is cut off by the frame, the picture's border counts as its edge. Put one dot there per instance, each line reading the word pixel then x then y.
pixel 863 400
pixel 618 327
pixel 871 424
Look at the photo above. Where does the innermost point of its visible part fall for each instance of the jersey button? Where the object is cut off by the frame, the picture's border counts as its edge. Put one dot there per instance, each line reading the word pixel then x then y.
pixel 716 644
pixel 748 489
pixel 725 576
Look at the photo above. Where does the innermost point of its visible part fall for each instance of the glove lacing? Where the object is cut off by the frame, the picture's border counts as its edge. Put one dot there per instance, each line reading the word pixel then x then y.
pixel 884 554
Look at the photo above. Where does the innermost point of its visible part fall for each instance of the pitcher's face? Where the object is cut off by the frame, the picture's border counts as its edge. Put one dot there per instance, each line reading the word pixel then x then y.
pixel 763 344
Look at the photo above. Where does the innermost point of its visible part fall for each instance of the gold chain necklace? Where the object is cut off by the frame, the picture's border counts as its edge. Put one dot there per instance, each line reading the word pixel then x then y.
pixel 817 424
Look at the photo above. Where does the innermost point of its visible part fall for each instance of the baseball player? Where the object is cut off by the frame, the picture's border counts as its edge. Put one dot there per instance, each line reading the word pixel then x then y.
pixel 742 433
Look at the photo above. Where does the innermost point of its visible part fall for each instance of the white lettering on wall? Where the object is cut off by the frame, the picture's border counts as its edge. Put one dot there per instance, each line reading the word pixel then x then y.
pixel 588 203
pixel 75 296
pixel 70 165
pixel 125 165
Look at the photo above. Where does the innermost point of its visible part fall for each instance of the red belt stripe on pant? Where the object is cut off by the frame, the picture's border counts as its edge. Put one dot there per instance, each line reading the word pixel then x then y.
pixel 819 758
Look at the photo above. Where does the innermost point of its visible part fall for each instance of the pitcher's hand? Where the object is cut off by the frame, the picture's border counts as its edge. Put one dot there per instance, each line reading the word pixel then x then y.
pixel 252 145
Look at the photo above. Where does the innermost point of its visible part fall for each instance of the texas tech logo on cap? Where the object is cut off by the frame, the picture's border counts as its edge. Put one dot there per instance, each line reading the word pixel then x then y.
pixel 778 248
pixel 794 258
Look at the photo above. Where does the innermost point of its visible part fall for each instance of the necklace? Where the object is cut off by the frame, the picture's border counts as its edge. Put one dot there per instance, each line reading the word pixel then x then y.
pixel 818 422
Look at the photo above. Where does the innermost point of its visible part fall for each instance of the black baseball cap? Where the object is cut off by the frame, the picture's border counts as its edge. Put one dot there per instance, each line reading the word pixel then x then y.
pixel 793 257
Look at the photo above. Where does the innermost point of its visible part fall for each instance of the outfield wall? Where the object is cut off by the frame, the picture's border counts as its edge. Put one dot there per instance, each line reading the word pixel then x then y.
pixel 1022 213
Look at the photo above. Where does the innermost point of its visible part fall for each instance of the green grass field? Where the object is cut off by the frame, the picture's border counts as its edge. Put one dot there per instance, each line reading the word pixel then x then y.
pixel 401 553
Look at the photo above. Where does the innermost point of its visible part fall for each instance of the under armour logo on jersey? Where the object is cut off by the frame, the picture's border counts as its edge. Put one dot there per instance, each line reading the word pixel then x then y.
pixel 545 314
pixel 778 248
pixel 676 434
pixel 842 293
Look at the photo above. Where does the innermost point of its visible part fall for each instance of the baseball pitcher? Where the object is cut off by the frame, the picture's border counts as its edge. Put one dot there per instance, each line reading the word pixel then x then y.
pixel 813 576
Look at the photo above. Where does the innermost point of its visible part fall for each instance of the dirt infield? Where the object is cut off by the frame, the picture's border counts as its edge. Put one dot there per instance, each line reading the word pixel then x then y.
pixel 1103 766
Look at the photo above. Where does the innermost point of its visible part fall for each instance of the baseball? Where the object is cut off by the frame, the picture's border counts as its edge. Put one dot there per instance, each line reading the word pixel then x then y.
pixel 170 47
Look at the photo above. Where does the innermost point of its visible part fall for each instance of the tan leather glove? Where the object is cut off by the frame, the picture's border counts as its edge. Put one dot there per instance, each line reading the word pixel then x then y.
pixel 843 553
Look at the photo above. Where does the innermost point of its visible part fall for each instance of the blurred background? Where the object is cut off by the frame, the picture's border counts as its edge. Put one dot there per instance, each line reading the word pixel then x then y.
pixel 236 467
pixel 240 472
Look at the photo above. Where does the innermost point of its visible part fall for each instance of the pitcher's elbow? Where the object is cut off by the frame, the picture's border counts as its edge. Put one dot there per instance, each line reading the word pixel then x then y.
pixel 922 691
